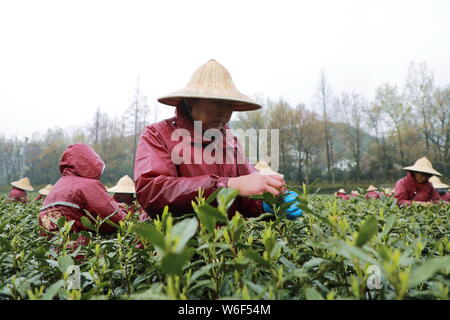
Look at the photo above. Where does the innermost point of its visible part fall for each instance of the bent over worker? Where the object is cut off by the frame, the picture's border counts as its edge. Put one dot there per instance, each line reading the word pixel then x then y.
pixel 17 192
pixel 79 189
pixel 415 187
pixel 210 98
pixel 441 188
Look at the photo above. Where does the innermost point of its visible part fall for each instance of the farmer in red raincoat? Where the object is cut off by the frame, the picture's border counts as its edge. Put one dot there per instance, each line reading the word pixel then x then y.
pixel 415 187
pixel 441 188
pixel 79 189
pixel 354 194
pixel 44 192
pixel 372 193
pixel 341 194
pixel 169 172
pixel 124 192
pixel 17 192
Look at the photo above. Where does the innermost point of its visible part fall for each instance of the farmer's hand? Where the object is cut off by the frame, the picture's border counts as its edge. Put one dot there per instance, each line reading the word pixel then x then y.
pixel 425 204
pixel 254 184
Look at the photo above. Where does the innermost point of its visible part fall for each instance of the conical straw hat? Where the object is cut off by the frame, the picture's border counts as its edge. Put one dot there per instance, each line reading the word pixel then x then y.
pixel 212 81
pixel 388 190
pixel 355 192
pixel 341 191
pixel 46 190
pixel 264 169
pixel 437 183
pixel 423 165
pixel 23 184
pixel 125 185
pixel 372 188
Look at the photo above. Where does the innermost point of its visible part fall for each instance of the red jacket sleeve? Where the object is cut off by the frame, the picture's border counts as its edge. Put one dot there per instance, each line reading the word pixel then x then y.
pixel 99 203
pixel 247 206
pixel 157 181
pixel 401 194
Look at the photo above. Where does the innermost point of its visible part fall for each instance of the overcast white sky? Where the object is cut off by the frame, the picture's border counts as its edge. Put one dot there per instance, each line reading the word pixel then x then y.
pixel 60 60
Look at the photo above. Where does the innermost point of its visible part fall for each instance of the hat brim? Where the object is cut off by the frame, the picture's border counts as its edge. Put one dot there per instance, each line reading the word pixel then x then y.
pixel 422 170
pixel 120 190
pixel 241 104
pixel 440 186
pixel 20 186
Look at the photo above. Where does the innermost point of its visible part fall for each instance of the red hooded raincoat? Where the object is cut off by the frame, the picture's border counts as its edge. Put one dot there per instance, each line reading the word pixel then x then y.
pixel 80 188
pixel 17 194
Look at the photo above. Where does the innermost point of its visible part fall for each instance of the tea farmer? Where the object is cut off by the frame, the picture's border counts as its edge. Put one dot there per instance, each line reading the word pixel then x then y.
pixel 17 192
pixel 124 192
pixel 354 194
pixel 44 192
pixel 210 97
pixel 387 192
pixel 79 189
pixel 341 194
pixel 372 193
pixel 441 188
pixel 415 187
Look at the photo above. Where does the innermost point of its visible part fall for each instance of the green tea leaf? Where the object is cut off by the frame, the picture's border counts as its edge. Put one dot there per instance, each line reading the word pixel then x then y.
pixel 367 231
pixel 64 262
pixel 312 294
pixel 184 230
pixel 213 212
pixel 149 232
pixel 257 258
pixel 172 262
pixel 427 269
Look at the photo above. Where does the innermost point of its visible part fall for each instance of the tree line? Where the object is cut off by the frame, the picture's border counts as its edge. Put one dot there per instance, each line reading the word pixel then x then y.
pixel 342 137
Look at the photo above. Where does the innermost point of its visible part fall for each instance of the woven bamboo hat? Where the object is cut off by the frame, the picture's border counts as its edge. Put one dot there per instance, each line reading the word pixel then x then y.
pixel 423 165
pixel 355 192
pixel 372 188
pixel 437 183
pixel 341 191
pixel 46 190
pixel 124 185
pixel 23 184
pixel 212 81
pixel 388 190
pixel 264 169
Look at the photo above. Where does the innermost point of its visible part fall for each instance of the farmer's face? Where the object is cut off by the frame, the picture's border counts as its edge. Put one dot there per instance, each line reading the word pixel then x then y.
pixel 421 177
pixel 214 114
pixel 124 197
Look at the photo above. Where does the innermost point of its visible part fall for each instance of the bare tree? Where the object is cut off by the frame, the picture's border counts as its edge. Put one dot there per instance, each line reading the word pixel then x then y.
pixel 419 93
pixel 324 97
pixel 350 113
pixel 137 114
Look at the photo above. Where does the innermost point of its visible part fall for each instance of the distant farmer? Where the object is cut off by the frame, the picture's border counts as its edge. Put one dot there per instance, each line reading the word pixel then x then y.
pixel 161 178
pixel 372 193
pixel 341 194
pixel 387 192
pixel 415 187
pixel 44 192
pixel 17 192
pixel 441 188
pixel 79 189
pixel 354 194
pixel 124 192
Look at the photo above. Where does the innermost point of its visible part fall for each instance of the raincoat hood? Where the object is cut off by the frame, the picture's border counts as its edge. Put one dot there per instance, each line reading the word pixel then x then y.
pixel 81 160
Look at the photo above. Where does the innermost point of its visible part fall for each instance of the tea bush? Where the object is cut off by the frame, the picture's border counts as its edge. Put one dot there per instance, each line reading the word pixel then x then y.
pixel 338 249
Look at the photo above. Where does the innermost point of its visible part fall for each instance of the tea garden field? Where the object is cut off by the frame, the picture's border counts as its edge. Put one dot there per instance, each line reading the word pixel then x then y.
pixel 354 249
